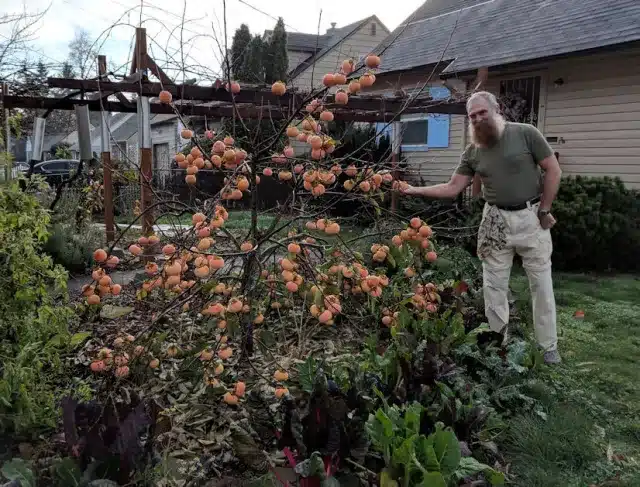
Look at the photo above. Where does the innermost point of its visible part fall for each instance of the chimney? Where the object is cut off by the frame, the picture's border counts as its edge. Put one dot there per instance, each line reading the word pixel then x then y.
pixel 332 29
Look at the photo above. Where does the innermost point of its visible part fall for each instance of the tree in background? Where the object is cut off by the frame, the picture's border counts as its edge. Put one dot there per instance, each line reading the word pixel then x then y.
pixel 239 49
pixel 18 29
pixel 42 73
pixel 253 67
pixel 67 70
pixel 277 61
pixel 81 53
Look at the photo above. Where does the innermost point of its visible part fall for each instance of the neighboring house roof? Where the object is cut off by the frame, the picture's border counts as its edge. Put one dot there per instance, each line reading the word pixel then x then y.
pixel 489 33
pixel 299 41
pixel 51 140
pixel 335 37
pixel 123 127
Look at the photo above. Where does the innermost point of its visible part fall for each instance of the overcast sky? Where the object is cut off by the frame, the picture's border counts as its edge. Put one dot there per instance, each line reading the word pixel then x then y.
pixel 113 25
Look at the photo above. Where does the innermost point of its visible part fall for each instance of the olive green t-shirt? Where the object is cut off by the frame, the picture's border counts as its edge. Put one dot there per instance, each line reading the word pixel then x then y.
pixel 509 170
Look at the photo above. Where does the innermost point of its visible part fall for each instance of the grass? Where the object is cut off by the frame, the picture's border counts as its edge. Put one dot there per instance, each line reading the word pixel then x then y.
pixel 592 432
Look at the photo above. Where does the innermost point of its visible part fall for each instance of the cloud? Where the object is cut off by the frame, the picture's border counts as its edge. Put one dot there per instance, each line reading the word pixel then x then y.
pixel 112 23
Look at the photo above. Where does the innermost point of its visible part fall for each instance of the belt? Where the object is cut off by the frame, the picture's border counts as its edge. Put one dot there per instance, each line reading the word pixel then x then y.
pixel 520 206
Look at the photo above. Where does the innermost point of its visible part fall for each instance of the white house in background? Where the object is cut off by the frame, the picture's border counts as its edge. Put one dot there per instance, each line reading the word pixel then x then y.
pixel 311 56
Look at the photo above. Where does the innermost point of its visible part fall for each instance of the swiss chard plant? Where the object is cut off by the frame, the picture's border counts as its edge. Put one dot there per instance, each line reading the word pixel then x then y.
pixel 415 458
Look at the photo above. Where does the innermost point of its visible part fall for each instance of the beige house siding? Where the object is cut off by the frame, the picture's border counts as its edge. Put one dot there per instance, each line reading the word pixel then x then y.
pixel 296 57
pixel 594 113
pixel 355 46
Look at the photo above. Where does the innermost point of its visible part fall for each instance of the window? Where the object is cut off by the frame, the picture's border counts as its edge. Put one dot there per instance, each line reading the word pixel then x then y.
pixel 520 99
pixel 56 166
pixel 373 28
pixel 415 132
pixel 422 132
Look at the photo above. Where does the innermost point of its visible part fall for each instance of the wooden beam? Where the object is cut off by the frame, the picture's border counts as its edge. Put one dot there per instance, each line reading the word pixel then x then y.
pixel 157 71
pixel 107 180
pixel 249 112
pixel 146 191
pixel 4 127
pixel 256 97
pixel 144 140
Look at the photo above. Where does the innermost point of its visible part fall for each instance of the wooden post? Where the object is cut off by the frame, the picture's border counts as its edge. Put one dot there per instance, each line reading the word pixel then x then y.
pixel 144 135
pixel 4 115
pixel 395 153
pixel 106 161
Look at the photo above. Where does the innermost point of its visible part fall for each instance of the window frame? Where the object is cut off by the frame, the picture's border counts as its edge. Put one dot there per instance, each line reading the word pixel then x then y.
pixel 425 116
pixel 544 75
pixel 415 117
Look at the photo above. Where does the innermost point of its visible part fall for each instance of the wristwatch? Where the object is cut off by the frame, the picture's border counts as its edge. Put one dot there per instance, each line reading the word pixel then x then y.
pixel 543 213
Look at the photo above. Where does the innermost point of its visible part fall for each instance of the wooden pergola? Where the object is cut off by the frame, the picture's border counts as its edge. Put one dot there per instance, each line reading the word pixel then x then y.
pixel 252 102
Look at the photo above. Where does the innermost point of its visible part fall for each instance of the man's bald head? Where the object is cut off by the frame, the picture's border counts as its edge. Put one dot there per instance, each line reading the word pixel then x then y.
pixel 485 121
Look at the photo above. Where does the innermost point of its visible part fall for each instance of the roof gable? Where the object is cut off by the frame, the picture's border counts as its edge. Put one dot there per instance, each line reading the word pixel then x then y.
pixel 336 36
pixel 495 32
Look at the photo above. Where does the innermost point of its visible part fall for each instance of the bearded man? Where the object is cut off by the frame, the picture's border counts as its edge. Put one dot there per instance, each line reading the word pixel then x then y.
pixel 520 176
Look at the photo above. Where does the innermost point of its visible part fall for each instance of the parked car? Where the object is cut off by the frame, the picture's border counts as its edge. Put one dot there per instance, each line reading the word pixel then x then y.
pixel 56 170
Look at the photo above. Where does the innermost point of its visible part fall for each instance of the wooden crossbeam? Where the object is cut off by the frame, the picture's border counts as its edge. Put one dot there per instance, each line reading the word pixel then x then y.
pixel 249 112
pixel 253 96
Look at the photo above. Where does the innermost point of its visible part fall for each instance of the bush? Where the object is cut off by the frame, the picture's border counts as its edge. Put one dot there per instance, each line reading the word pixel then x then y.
pixel 456 263
pixel 70 249
pixel 598 225
pixel 33 318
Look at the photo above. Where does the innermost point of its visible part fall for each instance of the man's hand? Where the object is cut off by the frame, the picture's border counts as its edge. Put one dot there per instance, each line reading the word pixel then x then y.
pixel 404 188
pixel 547 221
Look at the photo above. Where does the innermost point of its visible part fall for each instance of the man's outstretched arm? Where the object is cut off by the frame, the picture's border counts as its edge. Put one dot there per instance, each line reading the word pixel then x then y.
pixel 448 190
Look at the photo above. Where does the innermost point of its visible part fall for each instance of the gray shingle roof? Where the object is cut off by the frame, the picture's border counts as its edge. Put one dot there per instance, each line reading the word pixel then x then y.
pixel 335 37
pixel 497 32
pixel 299 41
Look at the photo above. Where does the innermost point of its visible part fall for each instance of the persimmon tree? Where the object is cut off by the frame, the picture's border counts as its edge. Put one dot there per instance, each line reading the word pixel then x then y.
pixel 298 265
pixel 298 276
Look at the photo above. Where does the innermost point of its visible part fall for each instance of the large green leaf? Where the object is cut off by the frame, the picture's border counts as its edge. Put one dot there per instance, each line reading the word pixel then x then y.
pixel 470 466
pixel 380 430
pixel 311 467
pixel 426 454
pixel 447 450
pixel 111 312
pixel 386 480
pixel 432 479
pixel 412 418
pixel 68 473
pixel 18 469
pixel 78 338
pixel 307 374
pixel 403 455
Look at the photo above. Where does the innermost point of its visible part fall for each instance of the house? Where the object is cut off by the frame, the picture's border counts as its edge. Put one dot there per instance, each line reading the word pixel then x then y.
pixel 165 140
pixel 311 56
pixel 124 138
pixel 571 67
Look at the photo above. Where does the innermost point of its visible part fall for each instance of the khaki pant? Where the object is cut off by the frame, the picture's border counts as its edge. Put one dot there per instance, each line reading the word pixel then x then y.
pixel 527 238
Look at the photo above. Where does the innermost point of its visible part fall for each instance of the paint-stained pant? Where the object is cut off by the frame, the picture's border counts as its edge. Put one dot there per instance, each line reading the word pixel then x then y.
pixel 527 238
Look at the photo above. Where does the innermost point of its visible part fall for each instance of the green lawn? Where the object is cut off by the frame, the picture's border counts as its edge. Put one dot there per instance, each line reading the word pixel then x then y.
pixel 592 432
